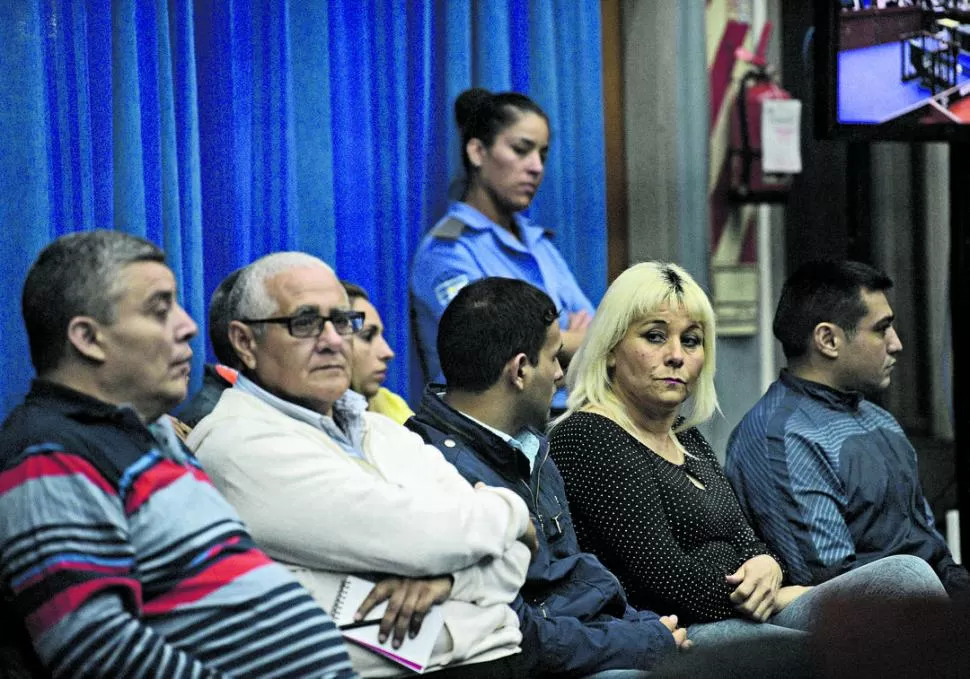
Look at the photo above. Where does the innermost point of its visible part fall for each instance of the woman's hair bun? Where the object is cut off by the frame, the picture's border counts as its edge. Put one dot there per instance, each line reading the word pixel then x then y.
pixel 467 103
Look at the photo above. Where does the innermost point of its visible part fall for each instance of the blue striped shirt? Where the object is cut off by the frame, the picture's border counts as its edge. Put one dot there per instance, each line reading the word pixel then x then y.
pixel 829 480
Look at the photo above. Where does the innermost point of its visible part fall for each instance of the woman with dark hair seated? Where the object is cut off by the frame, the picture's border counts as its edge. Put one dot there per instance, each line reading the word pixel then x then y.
pixel 369 355
pixel 645 490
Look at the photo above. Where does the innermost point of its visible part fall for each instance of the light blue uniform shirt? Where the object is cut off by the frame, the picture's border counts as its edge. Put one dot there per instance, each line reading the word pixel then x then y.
pixel 445 263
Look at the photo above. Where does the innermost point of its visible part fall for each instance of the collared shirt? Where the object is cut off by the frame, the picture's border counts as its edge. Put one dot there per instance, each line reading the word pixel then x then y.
pixel 525 441
pixel 444 265
pixel 346 426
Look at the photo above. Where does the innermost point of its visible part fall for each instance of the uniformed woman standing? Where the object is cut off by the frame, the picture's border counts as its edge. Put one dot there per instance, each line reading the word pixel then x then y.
pixel 505 138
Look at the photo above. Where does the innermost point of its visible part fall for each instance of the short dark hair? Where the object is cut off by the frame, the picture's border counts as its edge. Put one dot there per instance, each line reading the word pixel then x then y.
pixel 482 115
pixel 354 291
pixel 219 317
pixel 824 291
pixel 76 275
pixel 486 324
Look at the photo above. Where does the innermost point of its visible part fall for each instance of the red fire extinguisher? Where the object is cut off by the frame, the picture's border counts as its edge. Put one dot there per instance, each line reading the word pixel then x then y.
pixel 749 183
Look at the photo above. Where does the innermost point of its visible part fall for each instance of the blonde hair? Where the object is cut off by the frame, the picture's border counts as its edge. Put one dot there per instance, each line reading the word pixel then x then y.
pixel 637 292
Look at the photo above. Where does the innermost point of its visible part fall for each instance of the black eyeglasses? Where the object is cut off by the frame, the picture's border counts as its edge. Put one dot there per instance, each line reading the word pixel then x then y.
pixel 311 325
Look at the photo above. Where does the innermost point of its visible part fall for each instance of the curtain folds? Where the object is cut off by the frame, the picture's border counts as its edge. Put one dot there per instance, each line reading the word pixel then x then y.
pixel 226 129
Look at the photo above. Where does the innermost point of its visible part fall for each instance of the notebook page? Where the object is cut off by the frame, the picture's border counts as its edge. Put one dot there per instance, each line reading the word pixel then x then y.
pixel 413 653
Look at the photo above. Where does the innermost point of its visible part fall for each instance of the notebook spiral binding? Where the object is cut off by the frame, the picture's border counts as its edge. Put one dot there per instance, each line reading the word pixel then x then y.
pixel 337 612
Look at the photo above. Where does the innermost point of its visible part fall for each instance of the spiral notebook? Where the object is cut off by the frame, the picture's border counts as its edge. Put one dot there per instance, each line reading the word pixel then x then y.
pixel 412 653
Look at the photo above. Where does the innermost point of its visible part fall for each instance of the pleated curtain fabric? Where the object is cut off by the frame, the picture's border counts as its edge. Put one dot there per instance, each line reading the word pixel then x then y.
pixel 227 129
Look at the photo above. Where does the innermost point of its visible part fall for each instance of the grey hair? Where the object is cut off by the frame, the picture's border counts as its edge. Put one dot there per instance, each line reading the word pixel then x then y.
pixel 250 297
pixel 77 275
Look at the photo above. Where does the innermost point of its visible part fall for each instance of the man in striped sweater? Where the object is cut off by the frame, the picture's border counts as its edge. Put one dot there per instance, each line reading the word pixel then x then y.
pixel 117 556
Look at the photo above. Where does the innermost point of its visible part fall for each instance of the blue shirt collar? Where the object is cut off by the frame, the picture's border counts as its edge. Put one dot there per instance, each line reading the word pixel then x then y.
pixel 474 219
pixel 526 442
pixel 346 426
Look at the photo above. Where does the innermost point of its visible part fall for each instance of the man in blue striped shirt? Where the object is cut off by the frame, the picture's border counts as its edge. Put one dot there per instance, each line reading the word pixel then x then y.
pixel 827 478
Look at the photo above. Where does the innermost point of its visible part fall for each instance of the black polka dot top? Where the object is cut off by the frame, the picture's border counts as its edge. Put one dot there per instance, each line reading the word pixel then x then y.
pixel 669 542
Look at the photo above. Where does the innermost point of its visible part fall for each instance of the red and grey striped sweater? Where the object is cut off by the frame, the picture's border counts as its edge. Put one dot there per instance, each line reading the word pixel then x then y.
pixel 121 559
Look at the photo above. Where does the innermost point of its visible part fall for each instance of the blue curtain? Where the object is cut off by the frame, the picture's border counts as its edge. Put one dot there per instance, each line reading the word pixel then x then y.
pixel 226 129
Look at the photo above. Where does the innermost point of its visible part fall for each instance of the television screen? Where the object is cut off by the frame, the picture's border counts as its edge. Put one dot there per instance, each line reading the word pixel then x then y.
pixel 893 69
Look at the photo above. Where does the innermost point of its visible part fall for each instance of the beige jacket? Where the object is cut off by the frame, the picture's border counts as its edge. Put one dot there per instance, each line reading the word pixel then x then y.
pixel 403 510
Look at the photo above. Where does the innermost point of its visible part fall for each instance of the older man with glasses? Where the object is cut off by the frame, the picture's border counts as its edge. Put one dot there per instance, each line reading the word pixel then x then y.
pixel 332 490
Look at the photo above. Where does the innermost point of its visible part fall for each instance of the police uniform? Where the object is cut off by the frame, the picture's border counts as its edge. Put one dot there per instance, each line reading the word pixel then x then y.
pixel 466 246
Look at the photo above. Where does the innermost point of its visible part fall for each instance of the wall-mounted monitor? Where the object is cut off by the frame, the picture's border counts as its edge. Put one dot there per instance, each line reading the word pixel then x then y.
pixel 892 69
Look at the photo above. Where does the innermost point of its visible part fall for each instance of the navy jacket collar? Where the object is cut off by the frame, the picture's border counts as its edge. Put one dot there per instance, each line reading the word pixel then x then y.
pixel 847 401
pixel 498 454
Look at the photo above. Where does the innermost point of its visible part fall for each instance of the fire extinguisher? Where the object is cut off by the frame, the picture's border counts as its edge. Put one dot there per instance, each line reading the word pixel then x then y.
pixel 749 184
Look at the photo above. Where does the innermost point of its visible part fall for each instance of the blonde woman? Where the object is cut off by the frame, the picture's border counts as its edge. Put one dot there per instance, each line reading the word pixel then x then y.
pixel 646 492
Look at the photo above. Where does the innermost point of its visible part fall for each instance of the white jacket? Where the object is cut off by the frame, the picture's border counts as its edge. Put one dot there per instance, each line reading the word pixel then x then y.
pixel 404 511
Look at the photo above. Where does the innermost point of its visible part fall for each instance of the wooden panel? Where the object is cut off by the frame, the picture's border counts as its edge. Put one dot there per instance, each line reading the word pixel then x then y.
pixel 617 220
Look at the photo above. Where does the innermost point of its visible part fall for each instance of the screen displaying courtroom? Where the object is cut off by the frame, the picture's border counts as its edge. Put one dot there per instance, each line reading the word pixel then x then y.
pixel 903 63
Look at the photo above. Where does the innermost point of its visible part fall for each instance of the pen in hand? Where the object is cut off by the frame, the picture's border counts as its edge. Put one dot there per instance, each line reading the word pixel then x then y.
pixel 360 623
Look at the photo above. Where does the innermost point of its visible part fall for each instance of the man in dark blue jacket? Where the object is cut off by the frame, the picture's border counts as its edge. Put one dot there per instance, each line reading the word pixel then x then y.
pixel 498 342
